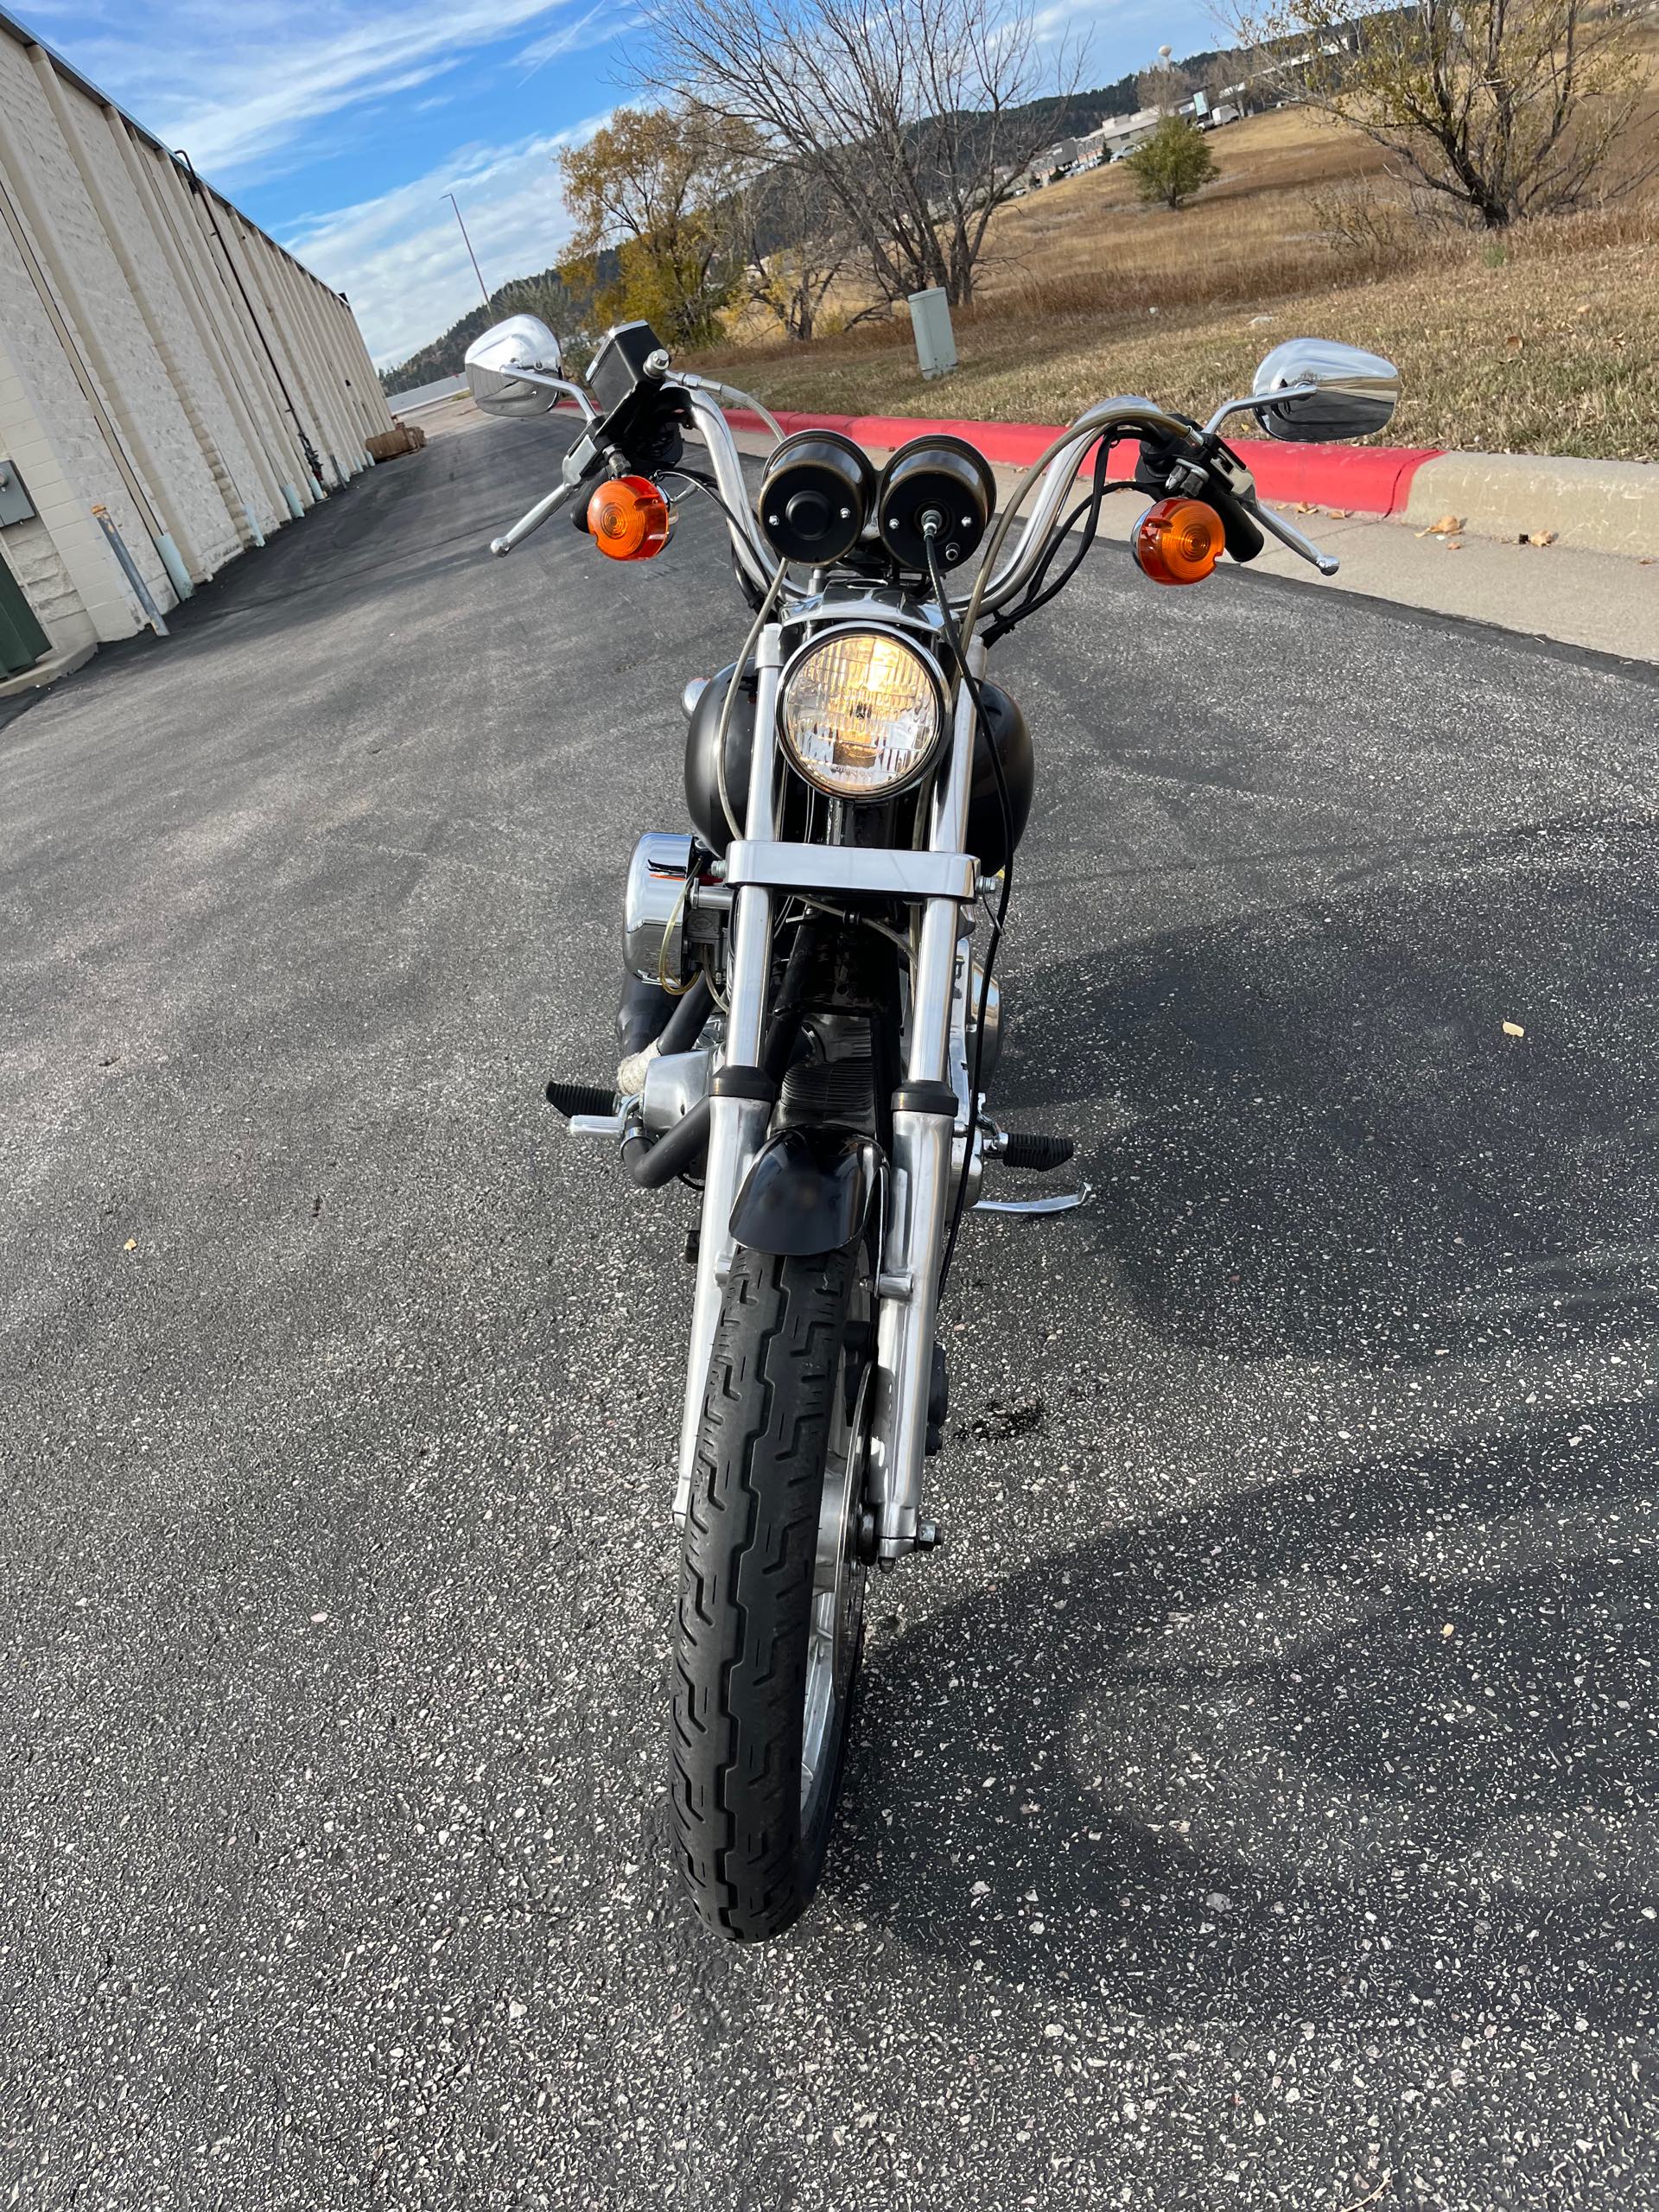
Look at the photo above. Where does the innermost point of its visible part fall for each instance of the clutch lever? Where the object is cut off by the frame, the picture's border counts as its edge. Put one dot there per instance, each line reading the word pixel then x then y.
pixel 1240 483
pixel 581 461
pixel 538 515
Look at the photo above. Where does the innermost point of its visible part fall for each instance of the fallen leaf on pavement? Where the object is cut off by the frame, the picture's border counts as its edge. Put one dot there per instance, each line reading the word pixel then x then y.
pixel 1544 538
pixel 131 1244
pixel 1339 514
pixel 1444 528
pixel 1454 545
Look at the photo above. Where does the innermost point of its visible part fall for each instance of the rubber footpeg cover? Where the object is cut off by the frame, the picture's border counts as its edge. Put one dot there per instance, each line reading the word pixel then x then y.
pixel 569 1098
pixel 1038 1155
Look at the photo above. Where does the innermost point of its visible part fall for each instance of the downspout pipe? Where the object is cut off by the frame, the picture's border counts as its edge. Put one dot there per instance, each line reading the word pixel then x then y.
pixel 286 290
pixel 312 461
pixel 288 338
pixel 185 283
pixel 195 241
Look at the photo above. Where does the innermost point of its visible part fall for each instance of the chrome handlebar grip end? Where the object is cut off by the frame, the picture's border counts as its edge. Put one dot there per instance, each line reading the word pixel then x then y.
pixel 1288 534
pixel 536 516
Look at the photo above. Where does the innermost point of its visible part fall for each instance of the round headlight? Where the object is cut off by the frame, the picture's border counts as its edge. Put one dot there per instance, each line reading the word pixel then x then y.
pixel 861 715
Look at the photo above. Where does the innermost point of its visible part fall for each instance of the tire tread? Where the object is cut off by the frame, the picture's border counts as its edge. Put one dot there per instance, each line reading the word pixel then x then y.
pixel 746 1589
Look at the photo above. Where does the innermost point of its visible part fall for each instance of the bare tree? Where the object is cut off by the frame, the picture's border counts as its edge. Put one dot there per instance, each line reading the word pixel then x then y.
pixel 1506 108
pixel 904 114
pixel 799 242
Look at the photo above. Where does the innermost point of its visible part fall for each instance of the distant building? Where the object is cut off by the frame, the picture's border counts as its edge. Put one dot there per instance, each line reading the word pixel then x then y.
pixel 174 385
pixel 1118 135
pixel 1121 134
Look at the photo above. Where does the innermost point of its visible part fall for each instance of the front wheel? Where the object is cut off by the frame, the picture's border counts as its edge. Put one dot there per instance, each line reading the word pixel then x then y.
pixel 772 1588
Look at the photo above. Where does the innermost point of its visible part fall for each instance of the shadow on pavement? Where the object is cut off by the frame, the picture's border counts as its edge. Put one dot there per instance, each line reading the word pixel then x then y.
pixel 1329 1143
pixel 1366 1741
pixel 1358 1747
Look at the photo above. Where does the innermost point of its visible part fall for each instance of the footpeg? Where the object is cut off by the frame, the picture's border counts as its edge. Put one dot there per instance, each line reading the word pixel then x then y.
pixel 1037 1155
pixel 569 1098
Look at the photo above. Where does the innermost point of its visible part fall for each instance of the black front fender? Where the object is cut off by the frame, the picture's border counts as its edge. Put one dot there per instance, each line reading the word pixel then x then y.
pixel 808 1190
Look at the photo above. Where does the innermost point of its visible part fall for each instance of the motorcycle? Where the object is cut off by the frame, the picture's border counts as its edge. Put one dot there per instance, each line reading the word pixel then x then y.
pixel 807 1029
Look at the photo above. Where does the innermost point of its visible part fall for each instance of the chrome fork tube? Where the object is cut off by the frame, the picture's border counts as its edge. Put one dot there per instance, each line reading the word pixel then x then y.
pixel 920 1183
pixel 737 1127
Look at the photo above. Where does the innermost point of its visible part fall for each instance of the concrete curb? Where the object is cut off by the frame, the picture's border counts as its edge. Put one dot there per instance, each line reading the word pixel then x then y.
pixel 1601 506
pixel 1593 506
pixel 1367 480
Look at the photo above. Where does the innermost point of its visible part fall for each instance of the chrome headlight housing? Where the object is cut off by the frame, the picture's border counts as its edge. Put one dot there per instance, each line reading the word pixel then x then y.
pixel 861 714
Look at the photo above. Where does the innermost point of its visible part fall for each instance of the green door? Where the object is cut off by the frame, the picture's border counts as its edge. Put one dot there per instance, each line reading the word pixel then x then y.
pixel 23 641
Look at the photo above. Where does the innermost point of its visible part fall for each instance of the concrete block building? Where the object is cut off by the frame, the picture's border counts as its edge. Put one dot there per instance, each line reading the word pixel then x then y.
pixel 174 385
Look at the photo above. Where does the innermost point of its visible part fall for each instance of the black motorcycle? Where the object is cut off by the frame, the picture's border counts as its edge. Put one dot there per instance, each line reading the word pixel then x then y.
pixel 808 1034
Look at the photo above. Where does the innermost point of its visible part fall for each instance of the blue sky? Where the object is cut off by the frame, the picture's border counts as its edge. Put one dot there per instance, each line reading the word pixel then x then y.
pixel 339 125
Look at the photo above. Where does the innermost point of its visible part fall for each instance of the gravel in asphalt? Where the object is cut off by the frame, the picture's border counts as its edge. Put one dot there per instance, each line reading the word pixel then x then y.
pixel 1257 1803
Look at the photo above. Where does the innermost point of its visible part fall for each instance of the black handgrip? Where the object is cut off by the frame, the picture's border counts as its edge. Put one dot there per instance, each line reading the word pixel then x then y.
pixel 1152 473
pixel 1245 538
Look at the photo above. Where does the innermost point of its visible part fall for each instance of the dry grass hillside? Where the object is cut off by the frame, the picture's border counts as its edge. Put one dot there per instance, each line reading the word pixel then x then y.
pixel 1544 340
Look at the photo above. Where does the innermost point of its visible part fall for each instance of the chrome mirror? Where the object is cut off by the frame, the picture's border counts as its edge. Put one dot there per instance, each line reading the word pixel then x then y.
pixel 502 367
pixel 1331 392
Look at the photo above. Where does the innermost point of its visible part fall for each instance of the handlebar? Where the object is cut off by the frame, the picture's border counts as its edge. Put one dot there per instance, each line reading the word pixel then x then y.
pixel 990 586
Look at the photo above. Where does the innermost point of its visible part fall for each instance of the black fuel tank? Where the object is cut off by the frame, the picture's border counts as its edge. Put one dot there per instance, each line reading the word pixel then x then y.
pixel 985 839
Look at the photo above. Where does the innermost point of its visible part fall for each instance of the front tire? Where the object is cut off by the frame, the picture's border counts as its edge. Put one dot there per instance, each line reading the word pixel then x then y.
pixel 771 1610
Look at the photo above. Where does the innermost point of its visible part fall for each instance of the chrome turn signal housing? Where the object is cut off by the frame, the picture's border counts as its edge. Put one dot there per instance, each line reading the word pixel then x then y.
pixel 861 714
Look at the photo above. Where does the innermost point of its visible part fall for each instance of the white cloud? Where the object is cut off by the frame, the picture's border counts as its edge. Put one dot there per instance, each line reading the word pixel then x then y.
pixel 400 257
pixel 260 72
pixel 253 88
pixel 603 21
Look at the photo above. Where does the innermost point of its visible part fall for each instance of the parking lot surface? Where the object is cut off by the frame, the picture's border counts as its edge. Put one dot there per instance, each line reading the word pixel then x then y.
pixel 1257 1803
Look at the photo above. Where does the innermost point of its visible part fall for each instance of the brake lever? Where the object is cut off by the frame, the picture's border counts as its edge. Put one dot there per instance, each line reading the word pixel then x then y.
pixel 1288 534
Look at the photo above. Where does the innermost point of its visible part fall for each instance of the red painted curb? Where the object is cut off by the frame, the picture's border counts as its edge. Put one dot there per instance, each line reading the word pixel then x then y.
pixel 1366 480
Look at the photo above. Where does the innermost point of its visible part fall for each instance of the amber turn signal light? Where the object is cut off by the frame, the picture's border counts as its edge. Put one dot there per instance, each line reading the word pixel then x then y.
pixel 628 518
pixel 1178 541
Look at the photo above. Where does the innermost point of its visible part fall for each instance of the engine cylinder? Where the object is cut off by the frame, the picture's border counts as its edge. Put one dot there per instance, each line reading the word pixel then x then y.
pixel 653 908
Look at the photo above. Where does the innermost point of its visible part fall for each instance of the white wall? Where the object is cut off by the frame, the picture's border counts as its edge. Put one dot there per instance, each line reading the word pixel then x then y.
pixel 133 374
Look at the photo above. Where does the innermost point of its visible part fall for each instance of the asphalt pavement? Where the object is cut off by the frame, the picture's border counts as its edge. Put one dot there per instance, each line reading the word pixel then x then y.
pixel 1257 1803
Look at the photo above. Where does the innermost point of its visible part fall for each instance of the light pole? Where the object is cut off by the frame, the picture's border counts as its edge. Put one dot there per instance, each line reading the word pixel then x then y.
pixel 471 256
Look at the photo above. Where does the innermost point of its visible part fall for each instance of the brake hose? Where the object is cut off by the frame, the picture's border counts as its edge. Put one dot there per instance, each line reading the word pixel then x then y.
pixel 1006 805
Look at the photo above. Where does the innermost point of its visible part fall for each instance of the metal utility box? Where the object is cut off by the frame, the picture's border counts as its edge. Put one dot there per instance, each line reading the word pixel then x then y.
pixel 15 506
pixel 935 342
pixel 23 641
